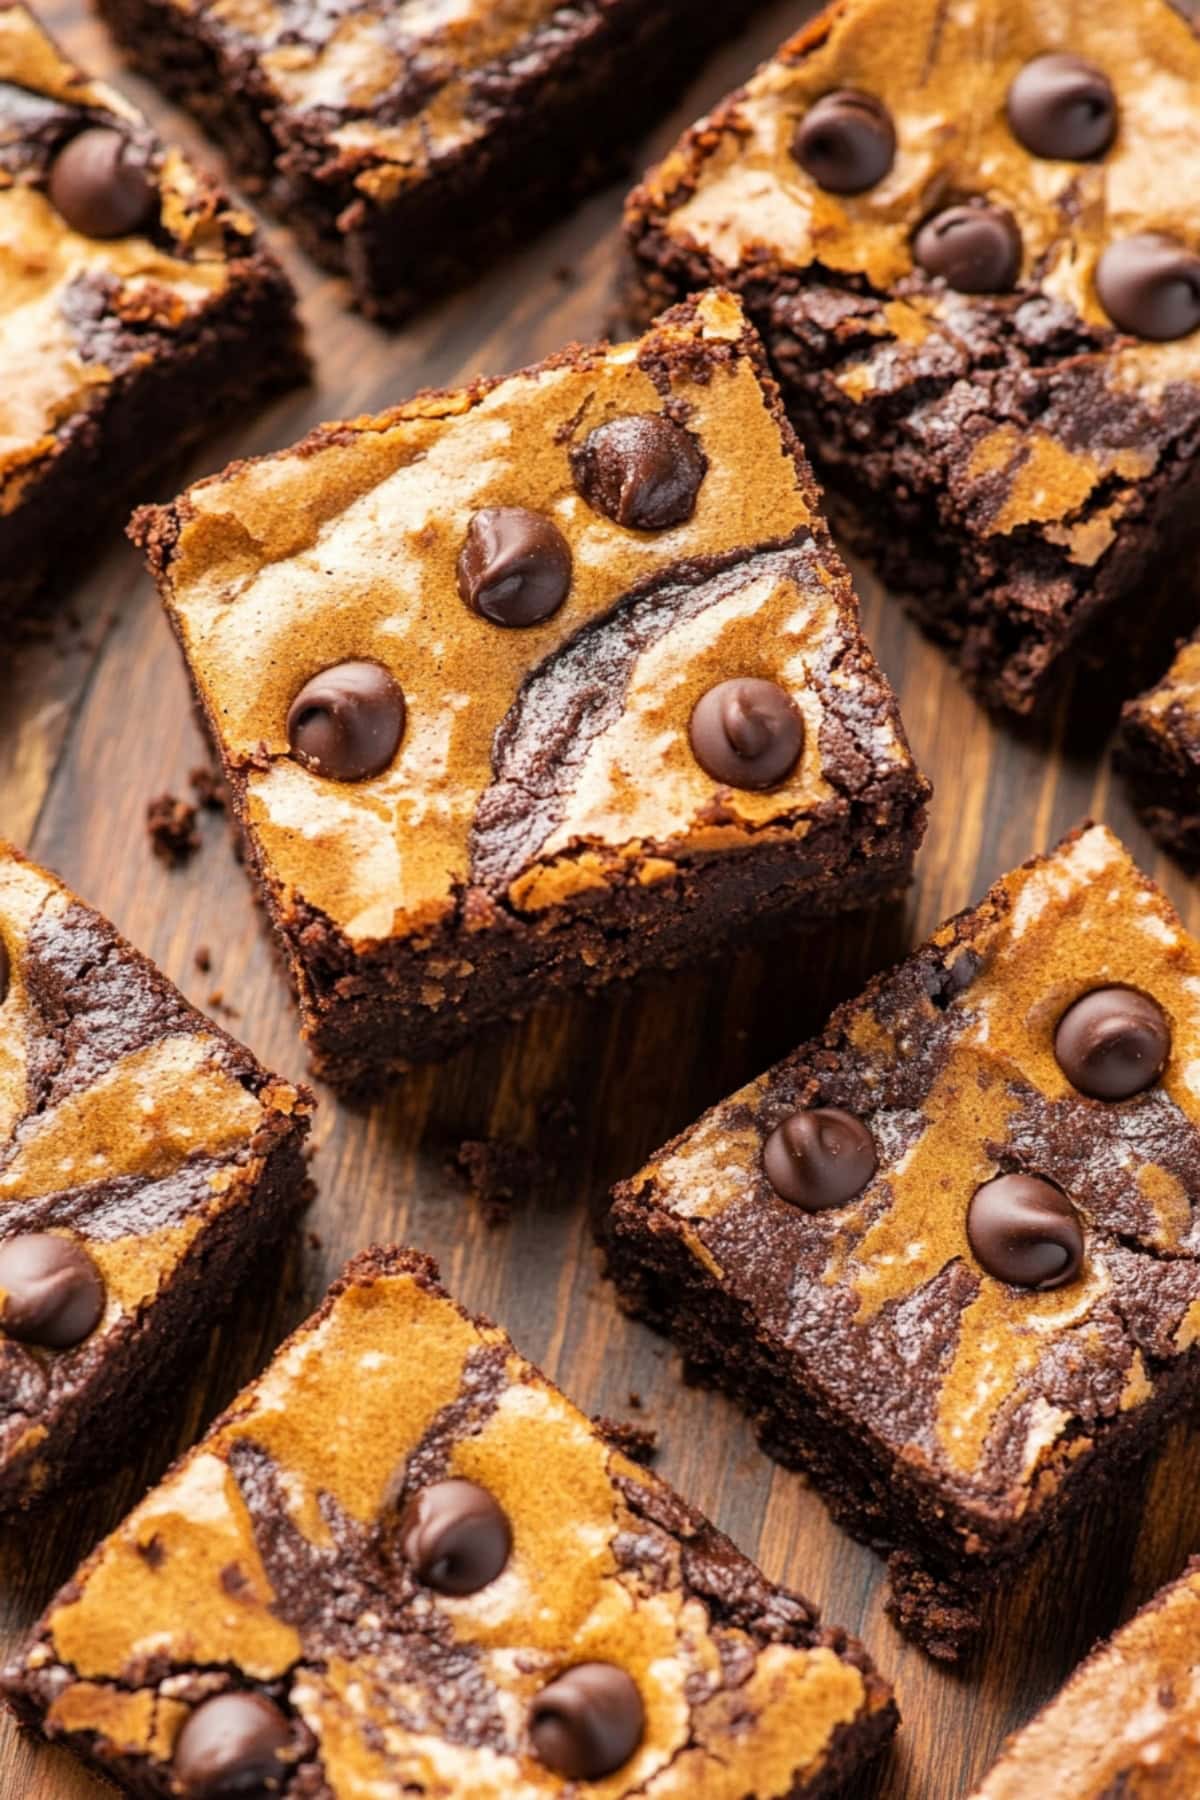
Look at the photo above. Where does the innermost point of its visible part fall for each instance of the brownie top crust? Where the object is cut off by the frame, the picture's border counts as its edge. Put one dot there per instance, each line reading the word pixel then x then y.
pixel 127 1125
pixel 399 1538
pixel 1003 191
pixel 111 246
pixel 967 1208
pixel 1172 707
pixel 461 647
pixel 1127 1722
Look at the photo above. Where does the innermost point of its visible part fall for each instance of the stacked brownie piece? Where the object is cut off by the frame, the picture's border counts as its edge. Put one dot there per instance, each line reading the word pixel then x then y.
pixel 138 305
pixel 968 237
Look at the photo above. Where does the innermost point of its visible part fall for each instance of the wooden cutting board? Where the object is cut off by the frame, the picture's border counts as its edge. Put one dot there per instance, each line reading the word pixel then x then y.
pixel 95 720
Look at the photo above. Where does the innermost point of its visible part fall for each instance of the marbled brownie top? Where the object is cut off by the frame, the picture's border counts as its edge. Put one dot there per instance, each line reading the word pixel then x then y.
pixel 454 655
pixel 112 247
pixel 988 1245
pixel 1172 709
pixel 399 1550
pixel 1127 1724
pixel 998 204
pixel 128 1124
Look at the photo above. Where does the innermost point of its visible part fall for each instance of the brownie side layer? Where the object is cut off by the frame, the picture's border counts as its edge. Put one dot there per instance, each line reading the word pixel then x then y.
pixel 1159 755
pixel 564 116
pixel 244 346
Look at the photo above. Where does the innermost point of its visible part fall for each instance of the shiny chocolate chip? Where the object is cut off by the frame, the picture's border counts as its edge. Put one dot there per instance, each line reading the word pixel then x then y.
pixel 588 1722
pixel 1062 107
pixel 975 249
pixel 640 470
pixel 1149 285
pixel 1025 1231
pixel 231 1745
pixel 53 1294
pixel 846 142
pixel 746 733
pixel 456 1537
pixel 1113 1043
pixel 820 1158
pixel 5 972
pixel 99 186
pixel 515 566
pixel 347 722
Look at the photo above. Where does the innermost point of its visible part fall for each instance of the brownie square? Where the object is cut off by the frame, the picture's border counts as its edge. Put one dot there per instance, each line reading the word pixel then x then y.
pixel 946 1254
pixel 409 146
pixel 1127 1723
pixel 404 1563
pixel 968 237
pixel 536 684
pixel 144 1158
pixel 1158 749
pixel 137 307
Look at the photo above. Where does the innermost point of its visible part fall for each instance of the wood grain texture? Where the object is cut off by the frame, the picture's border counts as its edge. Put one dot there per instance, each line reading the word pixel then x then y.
pixel 95 719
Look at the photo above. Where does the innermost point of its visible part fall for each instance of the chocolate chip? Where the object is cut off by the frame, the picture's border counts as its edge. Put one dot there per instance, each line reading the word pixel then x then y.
pixel 99 187
pixel 1025 1231
pixel 347 721
pixel 456 1537
pixel 1113 1043
pixel 820 1158
pixel 846 142
pixel 230 1746
pixel 1062 107
pixel 1149 285
pixel 588 1722
pixel 975 249
pixel 53 1293
pixel 641 470
pixel 746 733
pixel 514 566
pixel 5 975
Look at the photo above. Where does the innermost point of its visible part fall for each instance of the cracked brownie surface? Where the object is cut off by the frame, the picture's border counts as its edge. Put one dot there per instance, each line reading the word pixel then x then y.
pixel 143 1156
pixel 1159 751
pixel 1127 1724
pixel 952 1272
pixel 968 237
pixel 136 304
pixel 535 684
pixel 278 1569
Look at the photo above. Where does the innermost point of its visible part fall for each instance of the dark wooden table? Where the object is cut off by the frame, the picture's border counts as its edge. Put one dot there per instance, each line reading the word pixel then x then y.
pixel 95 719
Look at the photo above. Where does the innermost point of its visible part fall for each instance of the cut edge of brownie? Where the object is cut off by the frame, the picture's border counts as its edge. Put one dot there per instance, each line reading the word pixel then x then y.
pixel 361 1036
pixel 1161 762
pixel 400 255
pixel 730 1586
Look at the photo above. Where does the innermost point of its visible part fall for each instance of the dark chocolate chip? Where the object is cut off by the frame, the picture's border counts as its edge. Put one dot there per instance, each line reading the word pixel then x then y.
pixel 230 1746
pixel 4 973
pixel 1062 107
pixel 820 1158
pixel 1113 1043
pixel 641 470
pixel 347 721
pixel 975 249
pixel 99 187
pixel 1025 1231
pixel 53 1293
pixel 588 1722
pixel 846 142
pixel 456 1537
pixel 746 733
pixel 514 566
pixel 1149 285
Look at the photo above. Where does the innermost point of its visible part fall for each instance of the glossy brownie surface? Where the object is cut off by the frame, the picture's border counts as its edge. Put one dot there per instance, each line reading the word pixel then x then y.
pixel 970 1397
pixel 277 1560
pixel 143 1156
pixel 1026 439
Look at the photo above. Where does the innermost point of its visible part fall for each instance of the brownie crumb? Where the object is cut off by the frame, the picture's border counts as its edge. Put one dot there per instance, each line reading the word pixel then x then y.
pixel 496 1172
pixel 171 828
pixel 638 1442
pixel 218 1003
pixel 210 791
pixel 203 958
